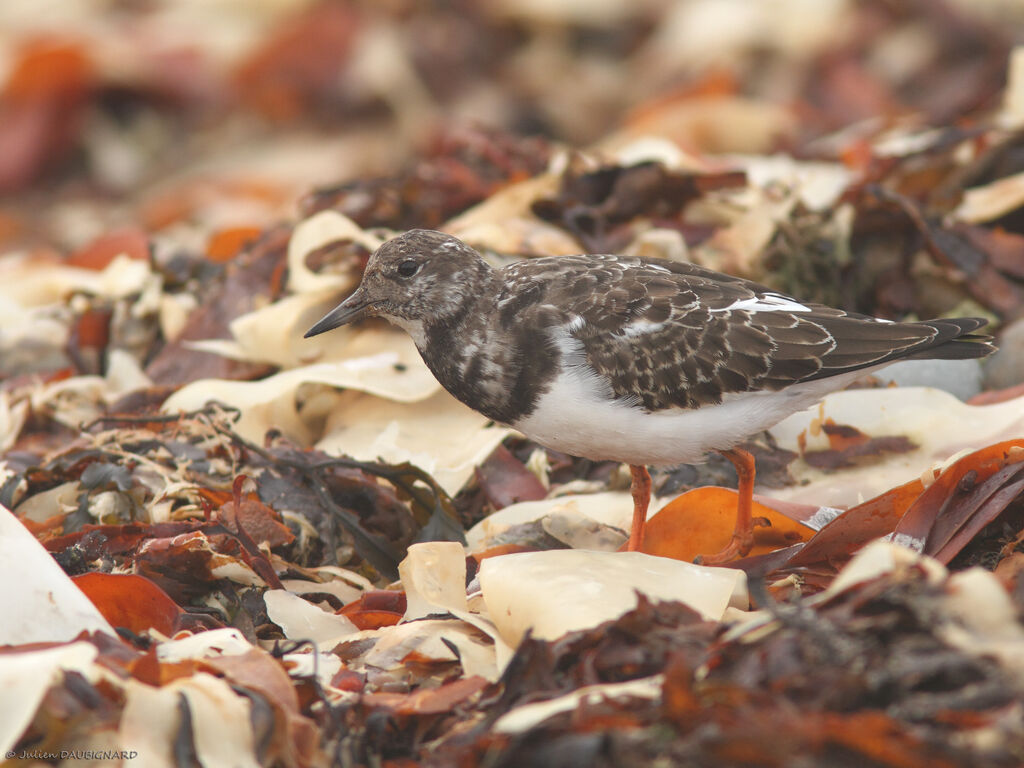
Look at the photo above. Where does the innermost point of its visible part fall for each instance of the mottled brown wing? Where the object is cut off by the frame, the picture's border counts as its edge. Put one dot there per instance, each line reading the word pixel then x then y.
pixel 676 335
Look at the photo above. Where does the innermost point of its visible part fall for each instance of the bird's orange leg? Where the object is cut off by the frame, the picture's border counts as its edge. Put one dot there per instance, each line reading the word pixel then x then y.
pixel 743 535
pixel 641 488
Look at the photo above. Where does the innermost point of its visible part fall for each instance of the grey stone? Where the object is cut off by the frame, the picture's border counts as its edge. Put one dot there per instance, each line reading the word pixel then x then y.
pixel 958 377
pixel 1006 367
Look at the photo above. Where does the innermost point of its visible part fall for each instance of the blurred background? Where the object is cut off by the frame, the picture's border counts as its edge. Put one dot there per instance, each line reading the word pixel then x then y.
pixel 160 112
pixel 185 128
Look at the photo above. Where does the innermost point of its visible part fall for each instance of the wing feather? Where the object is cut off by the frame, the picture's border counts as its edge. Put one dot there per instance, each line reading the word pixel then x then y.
pixel 667 334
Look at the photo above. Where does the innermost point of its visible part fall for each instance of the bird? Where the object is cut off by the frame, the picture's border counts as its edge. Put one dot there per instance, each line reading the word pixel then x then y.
pixel 642 361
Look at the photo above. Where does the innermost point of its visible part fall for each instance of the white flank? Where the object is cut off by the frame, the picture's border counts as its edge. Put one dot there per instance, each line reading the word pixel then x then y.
pixel 577 416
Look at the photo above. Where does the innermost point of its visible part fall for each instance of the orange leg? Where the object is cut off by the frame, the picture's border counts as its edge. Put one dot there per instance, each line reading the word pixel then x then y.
pixel 641 488
pixel 743 535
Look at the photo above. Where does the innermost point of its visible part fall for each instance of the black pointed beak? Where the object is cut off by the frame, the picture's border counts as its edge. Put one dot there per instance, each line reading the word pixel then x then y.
pixel 351 309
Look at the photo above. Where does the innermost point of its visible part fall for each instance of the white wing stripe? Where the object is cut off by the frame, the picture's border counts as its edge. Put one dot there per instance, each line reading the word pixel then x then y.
pixel 770 302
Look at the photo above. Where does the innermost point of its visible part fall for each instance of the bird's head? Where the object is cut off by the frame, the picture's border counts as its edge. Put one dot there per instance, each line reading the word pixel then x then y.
pixel 418 277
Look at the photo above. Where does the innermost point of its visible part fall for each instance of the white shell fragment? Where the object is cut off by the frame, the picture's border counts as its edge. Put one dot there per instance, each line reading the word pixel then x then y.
pixel 149 722
pixel 26 676
pixel 936 422
pixel 29 283
pixel 983 620
pixel 224 641
pixel 529 716
pixel 817 185
pixel 991 201
pixel 40 603
pixel 270 403
pixel 434 639
pixel 301 620
pixel 434 576
pixel 315 232
pixel 346 593
pixel 1012 114
pixel 879 558
pixel 978 616
pixel 221 721
pixel 440 435
pixel 505 221
pixel 610 509
pixel 558 591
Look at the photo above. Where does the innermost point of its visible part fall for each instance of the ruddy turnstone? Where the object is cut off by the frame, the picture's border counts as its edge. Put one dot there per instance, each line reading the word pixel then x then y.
pixel 641 361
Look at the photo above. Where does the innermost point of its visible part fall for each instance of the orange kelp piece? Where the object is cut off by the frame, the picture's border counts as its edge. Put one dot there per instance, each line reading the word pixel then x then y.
pixel 130 601
pixel 99 252
pixel 225 244
pixel 428 701
pixel 702 521
pixel 375 609
pixel 915 511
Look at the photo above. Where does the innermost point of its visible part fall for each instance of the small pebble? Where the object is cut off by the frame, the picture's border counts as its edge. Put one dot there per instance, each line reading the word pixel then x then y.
pixel 958 377
pixel 1006 367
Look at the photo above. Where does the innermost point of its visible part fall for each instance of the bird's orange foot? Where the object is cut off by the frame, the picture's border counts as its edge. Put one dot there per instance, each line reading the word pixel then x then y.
pixel 739 545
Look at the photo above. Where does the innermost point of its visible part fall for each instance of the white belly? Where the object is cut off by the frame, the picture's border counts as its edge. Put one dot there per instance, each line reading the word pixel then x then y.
pixel 573 418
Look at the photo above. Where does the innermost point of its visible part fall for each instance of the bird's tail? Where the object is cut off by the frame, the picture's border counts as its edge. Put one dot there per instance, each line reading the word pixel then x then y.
pixel 956 340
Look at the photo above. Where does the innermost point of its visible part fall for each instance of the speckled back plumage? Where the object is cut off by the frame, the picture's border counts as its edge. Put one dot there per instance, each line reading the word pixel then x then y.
pixel 675 335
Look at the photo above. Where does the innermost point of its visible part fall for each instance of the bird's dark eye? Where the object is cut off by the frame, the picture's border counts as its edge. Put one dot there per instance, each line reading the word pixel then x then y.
pixel 408 268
